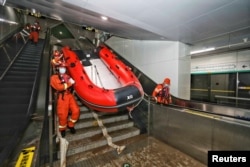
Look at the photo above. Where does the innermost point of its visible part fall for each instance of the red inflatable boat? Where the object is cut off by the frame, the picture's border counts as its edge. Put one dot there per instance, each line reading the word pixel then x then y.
pixel 98 98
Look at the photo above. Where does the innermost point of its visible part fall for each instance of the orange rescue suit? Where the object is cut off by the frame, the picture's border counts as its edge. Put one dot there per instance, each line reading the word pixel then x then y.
pixel 162 94
pixel 66 102
pixel 34 34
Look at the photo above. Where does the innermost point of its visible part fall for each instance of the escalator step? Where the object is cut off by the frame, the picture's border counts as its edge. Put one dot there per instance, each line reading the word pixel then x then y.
pixel 24 68
pixel 19 78
pixel 14 99
pixel 15 91
pixel 23 64
pixel 27 61
pixel 13 108
pixel 16 115
pixel 6 135
pixel 13 84
pixel 22 72
pixel 11 128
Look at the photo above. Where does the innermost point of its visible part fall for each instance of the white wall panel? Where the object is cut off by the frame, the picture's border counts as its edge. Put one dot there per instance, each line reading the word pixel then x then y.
pixel 226 62
pixel 158 60
pixel 184 78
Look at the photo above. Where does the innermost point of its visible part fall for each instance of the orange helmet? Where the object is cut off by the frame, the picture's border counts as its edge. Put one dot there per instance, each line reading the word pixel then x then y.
pixel 166 81
pixel 56 53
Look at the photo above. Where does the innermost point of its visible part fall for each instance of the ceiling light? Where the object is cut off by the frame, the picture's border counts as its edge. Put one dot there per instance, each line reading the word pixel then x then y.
pixel 245 39
pixel 2 2
pixel 104 18
pixel 201 51
pixel 8 21
pixel 33 11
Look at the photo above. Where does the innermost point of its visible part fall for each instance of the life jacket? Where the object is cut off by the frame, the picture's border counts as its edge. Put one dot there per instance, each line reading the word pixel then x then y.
pixel 164 94
pixel 64 78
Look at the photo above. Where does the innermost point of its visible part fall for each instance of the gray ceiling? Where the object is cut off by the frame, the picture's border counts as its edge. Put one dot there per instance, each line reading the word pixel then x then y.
pixel 187 21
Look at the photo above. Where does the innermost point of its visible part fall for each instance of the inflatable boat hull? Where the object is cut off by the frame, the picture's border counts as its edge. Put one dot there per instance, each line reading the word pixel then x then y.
pixel 100 99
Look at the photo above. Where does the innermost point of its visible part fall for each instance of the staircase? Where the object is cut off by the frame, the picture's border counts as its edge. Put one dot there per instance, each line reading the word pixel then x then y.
pixel 89 140
pixel 15 94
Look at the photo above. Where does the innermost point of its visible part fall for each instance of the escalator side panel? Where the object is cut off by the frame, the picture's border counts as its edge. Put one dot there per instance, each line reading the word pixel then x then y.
pixel 195 135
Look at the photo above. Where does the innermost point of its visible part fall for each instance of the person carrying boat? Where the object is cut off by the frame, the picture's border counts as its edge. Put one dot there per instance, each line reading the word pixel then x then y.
pixel 66 103
pixel 57 60
pixel 161 93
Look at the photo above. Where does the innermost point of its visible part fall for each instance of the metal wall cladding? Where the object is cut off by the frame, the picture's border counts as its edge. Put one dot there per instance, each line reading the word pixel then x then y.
pixel 232 89
pixel 196 134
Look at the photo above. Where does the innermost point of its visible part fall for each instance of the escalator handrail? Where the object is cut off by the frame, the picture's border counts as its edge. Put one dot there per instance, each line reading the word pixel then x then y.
pixel 41 107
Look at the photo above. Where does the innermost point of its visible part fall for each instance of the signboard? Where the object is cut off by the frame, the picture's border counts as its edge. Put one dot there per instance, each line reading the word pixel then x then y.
pixel 25 158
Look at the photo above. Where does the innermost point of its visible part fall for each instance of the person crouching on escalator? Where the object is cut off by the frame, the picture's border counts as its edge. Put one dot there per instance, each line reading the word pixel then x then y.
pixel 161 93
pixel 66 103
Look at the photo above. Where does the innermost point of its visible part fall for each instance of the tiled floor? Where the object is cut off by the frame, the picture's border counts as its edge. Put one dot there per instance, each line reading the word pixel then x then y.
pixel 155 154
pixel 146 152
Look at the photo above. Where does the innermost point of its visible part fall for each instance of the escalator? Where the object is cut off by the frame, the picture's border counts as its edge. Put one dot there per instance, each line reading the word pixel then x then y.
pixel 17 92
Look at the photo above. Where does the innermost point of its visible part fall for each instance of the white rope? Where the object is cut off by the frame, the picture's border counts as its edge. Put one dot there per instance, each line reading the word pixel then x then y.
pixel 132 108
pixel 63 151
pixel 119 149
pixel 63 144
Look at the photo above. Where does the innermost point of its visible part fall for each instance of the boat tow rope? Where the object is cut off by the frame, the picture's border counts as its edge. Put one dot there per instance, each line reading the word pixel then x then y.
pixel 119 149
pixel 63 145
pixel 63 151
pixel 130 109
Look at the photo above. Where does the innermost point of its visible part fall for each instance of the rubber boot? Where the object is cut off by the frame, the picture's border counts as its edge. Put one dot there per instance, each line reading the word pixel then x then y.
pixel 63 133
pixel 72 130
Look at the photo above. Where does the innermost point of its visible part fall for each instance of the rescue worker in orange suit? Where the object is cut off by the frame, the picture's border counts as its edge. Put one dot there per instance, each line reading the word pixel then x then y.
pixel 161 93
pixel 66 103
pixel 57 60
pixel 34 32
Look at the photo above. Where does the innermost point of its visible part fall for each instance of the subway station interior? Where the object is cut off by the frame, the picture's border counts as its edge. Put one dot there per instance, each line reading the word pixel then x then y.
pixel 202 46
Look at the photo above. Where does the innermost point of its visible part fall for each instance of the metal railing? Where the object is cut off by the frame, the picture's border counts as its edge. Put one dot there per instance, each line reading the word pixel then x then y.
pixel 233 98
pixel 51 132
pixel 233 101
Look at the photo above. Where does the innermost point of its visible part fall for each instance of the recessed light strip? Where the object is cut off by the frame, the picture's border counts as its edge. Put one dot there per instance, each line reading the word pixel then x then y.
pixel 7 21
pixel 202 50
pixel 104 18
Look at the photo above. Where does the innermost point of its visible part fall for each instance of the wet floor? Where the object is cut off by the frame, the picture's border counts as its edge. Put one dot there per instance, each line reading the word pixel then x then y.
pixel 146 152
